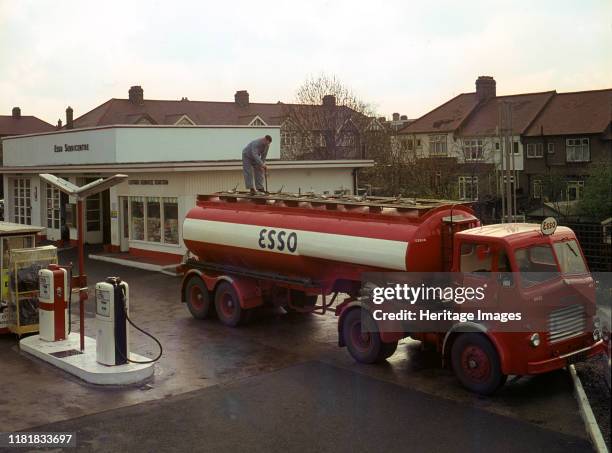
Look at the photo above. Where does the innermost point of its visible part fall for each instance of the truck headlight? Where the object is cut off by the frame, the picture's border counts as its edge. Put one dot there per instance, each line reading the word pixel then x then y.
pixel 534 340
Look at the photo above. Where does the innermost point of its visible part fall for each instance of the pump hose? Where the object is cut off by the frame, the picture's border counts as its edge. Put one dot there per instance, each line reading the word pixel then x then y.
pixel 161 349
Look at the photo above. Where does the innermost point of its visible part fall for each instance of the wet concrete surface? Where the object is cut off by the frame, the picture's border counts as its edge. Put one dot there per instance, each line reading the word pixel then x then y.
pixel 310 407
pixel 201 354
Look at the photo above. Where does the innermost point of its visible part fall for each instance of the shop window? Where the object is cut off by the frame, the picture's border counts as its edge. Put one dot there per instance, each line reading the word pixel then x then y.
pixel 53 207
pixel 22 203
pixel 137 218
pixel 171 227
pixel 153 220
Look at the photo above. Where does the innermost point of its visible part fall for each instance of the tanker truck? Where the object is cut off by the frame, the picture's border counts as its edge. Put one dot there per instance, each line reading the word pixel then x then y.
pixel 300 252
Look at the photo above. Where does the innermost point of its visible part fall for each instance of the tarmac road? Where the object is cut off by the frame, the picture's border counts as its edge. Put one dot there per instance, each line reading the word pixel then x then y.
pixel 280 382
pixel 309 407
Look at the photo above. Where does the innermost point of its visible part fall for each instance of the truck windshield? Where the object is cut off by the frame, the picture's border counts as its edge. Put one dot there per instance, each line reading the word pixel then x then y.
pixel 569 257
pixel 536 264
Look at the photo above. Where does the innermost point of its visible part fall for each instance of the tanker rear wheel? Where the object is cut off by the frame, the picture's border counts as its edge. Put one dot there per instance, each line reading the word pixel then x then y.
pixel 227 304
pixel 362 339
pixel 198 299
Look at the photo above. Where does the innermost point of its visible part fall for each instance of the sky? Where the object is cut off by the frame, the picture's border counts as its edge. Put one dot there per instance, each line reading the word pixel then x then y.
pixel 399 56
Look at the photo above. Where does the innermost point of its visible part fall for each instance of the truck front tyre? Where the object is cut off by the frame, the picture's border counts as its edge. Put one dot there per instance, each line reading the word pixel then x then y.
pixel 476 364
pixel 362 340
pixel 198 298
pixel 227 304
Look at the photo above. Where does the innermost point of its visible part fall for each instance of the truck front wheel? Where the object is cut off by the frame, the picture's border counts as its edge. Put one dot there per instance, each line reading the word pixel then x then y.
pixel 198 298
pixel 362 339
pixel 476 363
pixel 227 304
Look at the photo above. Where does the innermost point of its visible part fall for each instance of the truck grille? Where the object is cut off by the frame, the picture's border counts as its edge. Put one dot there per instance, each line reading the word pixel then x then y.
pixel 566 323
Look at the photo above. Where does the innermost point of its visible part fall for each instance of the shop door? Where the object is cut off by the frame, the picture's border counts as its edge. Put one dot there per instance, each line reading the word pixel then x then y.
pixel 93 217
pixel 124 227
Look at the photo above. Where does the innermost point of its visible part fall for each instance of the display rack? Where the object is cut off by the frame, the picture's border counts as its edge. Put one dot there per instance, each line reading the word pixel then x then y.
pixel 12 236
pixel 24 265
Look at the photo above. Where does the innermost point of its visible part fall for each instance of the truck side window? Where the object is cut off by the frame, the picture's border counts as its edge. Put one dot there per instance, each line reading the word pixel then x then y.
pixel 476 257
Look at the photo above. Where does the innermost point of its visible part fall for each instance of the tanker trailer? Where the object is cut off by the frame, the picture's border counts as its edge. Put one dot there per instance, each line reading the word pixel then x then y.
pixel 293 251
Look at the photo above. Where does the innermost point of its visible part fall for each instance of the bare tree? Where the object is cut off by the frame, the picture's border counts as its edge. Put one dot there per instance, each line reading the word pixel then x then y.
pixel 326 121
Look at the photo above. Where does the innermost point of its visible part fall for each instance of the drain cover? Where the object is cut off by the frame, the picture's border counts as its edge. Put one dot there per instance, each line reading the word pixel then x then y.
pixel 68 353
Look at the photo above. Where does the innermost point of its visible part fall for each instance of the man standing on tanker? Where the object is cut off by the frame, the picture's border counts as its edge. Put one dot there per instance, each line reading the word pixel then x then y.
pixel 254 163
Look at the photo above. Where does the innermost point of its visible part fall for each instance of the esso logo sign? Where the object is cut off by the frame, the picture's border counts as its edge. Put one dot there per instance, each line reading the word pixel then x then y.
pixel 548 226
pixel 280 240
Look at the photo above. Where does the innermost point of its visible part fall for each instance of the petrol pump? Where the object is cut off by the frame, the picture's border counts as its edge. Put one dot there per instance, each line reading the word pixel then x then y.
pixel 112 305
pixel 53 303
pixel 112 318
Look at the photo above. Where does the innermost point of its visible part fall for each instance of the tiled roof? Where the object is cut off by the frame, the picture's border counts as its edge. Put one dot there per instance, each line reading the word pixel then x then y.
pixel 445 118
pixel 582 112
pixel 122 111
pixel 10 125
pixel 525 108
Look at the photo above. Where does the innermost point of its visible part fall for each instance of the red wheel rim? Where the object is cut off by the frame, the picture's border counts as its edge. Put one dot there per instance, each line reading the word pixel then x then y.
pixel 362 341
pixel 475 363
pixel 228 305
pixel 196 298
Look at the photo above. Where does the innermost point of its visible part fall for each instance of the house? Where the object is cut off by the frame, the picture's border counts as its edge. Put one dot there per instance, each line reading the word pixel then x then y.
pixel 325 131
pixel 566 142
pixel 533 135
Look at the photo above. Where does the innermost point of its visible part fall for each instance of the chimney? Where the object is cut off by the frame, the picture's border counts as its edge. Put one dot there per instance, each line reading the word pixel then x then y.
pixel 136 95
pixel 404 118
pixel 16 112
pixel 485 88
pixel 59 124
pixel 69 123
pixel 242 98
pixel 396 117
pixel 329 100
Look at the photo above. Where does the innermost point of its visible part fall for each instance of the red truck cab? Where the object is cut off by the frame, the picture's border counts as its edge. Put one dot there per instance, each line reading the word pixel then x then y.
pixel 544 276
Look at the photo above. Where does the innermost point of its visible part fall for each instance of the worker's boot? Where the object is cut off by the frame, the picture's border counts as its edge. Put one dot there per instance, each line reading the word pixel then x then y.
pixel 253 191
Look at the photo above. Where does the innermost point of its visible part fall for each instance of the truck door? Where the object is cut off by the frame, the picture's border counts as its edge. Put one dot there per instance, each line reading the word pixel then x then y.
pixel 477 266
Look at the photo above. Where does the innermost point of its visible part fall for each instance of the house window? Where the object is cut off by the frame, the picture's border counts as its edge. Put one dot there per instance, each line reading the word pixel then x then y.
pixel 537 188
pixel 348 140
pixel 437 180
pixel 515 147
pixel 497 146
pixel 407 144
pixel 473 150
pixel 577 150
pixel 575 190
pixel 288 139
pixel 257 122
pixel 468 187
pixel 53 207
pixel 535 150
pixel 22 204
pixel 551 148
pixel 418 143
pixel 437 145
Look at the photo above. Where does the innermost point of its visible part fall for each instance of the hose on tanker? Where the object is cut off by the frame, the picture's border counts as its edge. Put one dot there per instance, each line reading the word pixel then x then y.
pixel 161 349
